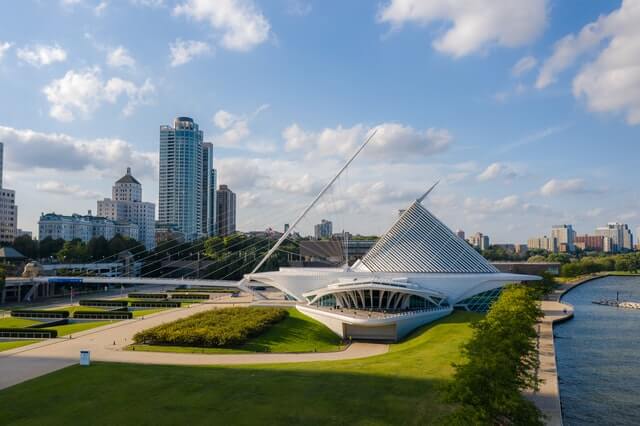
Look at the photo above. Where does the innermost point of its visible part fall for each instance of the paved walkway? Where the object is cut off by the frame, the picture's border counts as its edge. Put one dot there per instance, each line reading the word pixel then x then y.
pixel 106 344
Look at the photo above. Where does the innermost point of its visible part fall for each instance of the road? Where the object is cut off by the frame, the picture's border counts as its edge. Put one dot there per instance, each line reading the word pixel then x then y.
pixel 106 344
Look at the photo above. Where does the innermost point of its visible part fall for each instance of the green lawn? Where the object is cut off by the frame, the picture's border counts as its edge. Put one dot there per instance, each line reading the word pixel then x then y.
pixel 5 346
pixel 401 387
pixel 296 333
pixel 11 322
pixel 74 309
pixel 145 312
pixel 64 330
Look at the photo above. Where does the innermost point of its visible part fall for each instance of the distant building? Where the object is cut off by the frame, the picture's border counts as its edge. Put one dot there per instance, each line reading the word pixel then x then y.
pixel 209 187
pixel 181 169
pixel 324 229
pixel 620 236
pixel 23 233
pixel 460 233
pixel 83 227
pixel 590 242
pixel 480 241
pixel 286 227
pixel 543 243
pixel 8 208
pixel 565 236
pixel 226 210
pixel 522 249
pixel 126 205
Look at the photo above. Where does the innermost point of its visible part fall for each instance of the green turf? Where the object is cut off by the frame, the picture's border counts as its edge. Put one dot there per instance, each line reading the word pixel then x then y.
pixel 64 330
pixel 401 387
pixel 296 333
pixel 5 346
pixel 74 309
pixel 145 312
pixel 11 322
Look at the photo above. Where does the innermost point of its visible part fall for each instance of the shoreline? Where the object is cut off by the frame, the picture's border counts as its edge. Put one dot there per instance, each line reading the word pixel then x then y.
pixel 547 399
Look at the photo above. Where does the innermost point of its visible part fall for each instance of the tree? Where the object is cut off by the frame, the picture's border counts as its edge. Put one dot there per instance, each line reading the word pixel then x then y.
pixel 74 251
pixel 502 361
pixel 98 248
pixel 49 247
pixel 27 246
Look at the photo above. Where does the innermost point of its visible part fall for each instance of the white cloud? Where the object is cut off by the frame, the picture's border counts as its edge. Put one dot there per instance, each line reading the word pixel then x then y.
pixel 4 46
pixel 119 57
pixel 100 8
pixel 236 129
pixel 183 52
pixel 610 82
pixel 59 188
pixel 499 170
pixel 523 66
pixel 392 141
pixel 148 3
pixel 40 54
pixel 536 136
pixel 28 149
pixel 474 26
pixel 569 186
pixel 242 25
pixel 482 206
pixel 82 92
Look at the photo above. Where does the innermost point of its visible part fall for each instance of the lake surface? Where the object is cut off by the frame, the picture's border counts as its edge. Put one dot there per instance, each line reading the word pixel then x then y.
pixel 598 355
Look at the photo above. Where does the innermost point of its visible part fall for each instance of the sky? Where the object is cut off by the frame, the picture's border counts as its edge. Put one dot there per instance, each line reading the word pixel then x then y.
pixel 528 113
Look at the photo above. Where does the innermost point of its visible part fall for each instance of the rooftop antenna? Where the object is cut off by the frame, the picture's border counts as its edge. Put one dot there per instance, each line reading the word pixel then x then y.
pixel 428 192
pixel 309 207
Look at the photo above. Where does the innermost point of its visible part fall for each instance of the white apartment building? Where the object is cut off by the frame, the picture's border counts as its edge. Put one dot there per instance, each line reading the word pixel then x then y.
pixel 83 227
pixel 565 236
pixel 543 243
pixel 620 235
pixel 126 206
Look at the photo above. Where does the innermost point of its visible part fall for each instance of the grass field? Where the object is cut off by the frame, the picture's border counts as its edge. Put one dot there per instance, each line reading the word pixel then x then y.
pixel 400 387
pixel 10 322
pixel 65 330
pixel 5 346
pixel 296 333
pixel 74 309
pixel 145 312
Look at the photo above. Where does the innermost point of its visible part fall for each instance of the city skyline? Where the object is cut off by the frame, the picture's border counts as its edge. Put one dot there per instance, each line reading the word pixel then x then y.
pixel 518 150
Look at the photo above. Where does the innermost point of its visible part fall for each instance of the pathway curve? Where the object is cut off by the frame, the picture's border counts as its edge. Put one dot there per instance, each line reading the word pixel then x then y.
pixel 106 344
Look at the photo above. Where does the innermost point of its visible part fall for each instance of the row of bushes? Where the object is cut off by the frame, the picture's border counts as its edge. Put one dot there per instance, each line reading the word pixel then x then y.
pixel 104 303
pixel 192 296
pixel 215 328
pixel 29 333
pixel 34 313
pixel 147 295
pixel 105 315
pixel 63 321
pixel 155 304
pixel 591 265
pixel 205 290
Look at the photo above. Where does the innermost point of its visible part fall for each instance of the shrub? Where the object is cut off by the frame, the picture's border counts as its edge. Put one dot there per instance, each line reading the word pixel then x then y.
pixel 147 295
pixel 105 315
pixel 55 323
pixel 29 333
pixel 215 328
pixel 107 303
pixel 155 304
pixel 192 296
pixel 34 313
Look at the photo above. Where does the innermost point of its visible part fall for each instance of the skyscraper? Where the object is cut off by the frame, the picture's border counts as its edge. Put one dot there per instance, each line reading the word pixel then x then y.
pixel 226 211
pixel 324 229
pixel 209 185
pixel 565 235
pixel 619 234
pixel 126 205
pixel 180 195
pixel 8 208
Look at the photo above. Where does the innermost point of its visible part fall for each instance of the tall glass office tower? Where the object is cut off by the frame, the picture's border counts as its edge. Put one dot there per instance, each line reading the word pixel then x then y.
pixel 209 185
pixel 181 169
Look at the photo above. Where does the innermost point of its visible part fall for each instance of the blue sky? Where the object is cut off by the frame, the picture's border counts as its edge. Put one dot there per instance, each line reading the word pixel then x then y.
pixel 528 114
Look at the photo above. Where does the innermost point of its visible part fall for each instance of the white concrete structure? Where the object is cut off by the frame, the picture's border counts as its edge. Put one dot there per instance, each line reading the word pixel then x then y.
pixel 126 205
pixel 417 272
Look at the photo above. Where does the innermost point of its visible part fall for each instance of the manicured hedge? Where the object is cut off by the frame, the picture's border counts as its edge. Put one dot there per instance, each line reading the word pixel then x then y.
pixel 192 296
pixel 29 333
pixel 101 303
pixel 155 304
pixel 63 321
pixel 106 315
pixel 33 313
pixel 147 295
pixel 215 328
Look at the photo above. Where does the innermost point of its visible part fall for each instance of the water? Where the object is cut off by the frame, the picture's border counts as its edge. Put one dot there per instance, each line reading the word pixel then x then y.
pixel 598 355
